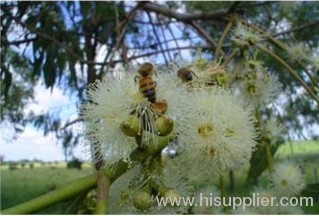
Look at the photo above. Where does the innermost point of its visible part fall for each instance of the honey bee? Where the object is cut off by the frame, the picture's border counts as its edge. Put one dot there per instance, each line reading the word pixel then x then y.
pixel 147 69
pixel 148 112
pixel 146 83
pixel 147 88
pixel 186 74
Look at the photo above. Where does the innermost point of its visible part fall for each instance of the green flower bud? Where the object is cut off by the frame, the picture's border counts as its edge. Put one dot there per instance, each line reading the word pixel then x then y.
pixel 201 63
pixel 222 79
pixel 171 194
pixel 251 89
pixel 142 200
pixel 131 126
pixel 164 125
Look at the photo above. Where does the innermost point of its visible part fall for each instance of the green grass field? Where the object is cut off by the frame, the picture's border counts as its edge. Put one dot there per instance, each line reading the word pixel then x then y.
pixel 20 185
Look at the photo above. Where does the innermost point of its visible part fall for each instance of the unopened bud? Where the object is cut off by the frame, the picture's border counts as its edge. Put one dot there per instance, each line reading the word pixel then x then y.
pixel 171 194
pixel 164 125
pixel 131 126
pixel 142 200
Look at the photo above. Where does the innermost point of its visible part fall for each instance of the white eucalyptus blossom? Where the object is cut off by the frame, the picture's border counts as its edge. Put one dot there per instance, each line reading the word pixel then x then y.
pixel 298 52
pixel 123 194
pixel 203 198
pixel 314 61
pixel 219 134
pixel 201 73
pixel 287 179
pixel 290 210
pixel 272 204
pixel 241 211
pixel 209 74
pixel 170 90
pixel 272 129
pixel 244 36
pixel 268 195
pixel 110 103
pixel 258 86
pixel 173 185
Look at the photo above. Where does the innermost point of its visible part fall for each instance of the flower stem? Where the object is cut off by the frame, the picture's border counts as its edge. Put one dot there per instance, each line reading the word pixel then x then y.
pixel 292 71
pixel 103 186
pixel 269 157
pixel 280 45
pixel 85 184
pixel 222 189
pixel 58 195
pixel 231 56
pixel 222 38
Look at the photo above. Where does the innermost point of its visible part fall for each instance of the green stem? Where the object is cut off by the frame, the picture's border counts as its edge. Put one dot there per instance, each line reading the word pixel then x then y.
pixel 103 186
pixel 86 183
pixel 222 189
pixel 280 45
pixel 222 38
pixel 292 71
pixel 269 37
pixel 231 56
pixel 265 141
pixel 58 195
pixel 269 157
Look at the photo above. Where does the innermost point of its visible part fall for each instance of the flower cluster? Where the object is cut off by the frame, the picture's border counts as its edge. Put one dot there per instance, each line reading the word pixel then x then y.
pixel 244 36
pixel 110 104
pixel 194 104
pixel 257 86
pixel 298 52
pixel 288 179
pixel 220 136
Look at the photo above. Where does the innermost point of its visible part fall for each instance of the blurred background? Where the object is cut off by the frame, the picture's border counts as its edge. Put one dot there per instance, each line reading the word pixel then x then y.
pixel 51 52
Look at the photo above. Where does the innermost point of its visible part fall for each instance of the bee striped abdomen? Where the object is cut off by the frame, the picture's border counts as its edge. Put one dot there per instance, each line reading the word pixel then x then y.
pixel 147 88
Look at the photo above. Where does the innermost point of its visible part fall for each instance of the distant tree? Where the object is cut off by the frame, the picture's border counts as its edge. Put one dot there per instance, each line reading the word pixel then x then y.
pixel 31 165
pixel 74 164
pixel 1 159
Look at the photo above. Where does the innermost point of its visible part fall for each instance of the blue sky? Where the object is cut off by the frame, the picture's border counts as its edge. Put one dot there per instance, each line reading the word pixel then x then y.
pixel 32 144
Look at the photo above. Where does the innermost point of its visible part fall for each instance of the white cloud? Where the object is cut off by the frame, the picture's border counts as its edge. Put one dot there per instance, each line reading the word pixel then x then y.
pixel 32 144
pixel 45 99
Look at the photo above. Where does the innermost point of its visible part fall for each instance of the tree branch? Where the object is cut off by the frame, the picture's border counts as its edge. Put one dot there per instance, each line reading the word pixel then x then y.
pixel 185 17
pixel 18 42
pixel 164 36
pixel 204 34
pixel 122 27
pixel 299 28
pixel 156 36
pixel 45 36
pixel 292 71
pixel 222 38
